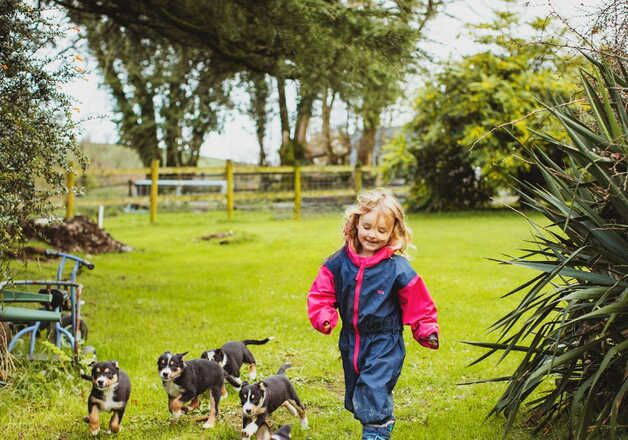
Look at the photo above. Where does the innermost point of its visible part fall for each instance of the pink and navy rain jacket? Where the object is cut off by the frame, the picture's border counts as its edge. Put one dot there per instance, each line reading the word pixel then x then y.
pixel 374 296
pixel 381 291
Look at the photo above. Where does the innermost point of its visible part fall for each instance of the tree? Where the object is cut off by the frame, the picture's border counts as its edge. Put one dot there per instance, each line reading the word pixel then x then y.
pixel 166 94
pixel 37 135
pixel 317 43
pixel 284 38
pixel 259 93
pixel 471 110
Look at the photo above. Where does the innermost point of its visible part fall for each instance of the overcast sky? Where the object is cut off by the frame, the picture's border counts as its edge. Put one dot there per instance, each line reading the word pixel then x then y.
pixel 447 39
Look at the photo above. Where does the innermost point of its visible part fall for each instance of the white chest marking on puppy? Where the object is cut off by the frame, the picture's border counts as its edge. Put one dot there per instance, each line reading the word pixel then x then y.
pixel 108 404
pixel 224 361
pixel 172 389
pixel 250 429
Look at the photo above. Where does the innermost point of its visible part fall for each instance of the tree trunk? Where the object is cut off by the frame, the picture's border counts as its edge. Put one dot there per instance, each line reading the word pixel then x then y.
pixel 286 152
pixel 138 132
pixel 260 132
pixel 366 144
pixel 304 113
pixel 326 129
pixel 259 92
pixel 144 136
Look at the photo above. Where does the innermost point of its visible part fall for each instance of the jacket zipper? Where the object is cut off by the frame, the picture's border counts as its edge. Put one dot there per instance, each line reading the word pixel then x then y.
pixel 356 303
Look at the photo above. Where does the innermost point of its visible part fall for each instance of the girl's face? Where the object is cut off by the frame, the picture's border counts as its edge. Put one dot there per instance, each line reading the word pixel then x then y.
pixel 374 231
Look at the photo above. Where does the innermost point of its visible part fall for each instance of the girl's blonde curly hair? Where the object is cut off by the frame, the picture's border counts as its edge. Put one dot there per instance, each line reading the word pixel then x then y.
pixel 383 199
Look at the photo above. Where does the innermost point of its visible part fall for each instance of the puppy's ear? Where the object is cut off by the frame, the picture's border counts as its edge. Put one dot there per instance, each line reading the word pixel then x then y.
pixel 204 355
pixel 180 355
pixel 241 393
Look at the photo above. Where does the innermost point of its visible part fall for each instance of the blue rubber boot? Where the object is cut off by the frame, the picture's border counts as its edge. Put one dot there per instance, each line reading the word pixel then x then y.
pixel 378 432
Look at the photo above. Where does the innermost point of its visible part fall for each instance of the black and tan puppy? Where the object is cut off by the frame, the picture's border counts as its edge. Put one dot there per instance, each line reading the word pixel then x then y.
pixel 184 381
pixel 282 433
pixel 232 355
pixel 111 389
pixel 259 400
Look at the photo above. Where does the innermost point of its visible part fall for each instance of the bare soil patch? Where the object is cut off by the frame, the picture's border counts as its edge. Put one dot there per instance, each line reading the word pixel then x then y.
pixel 78 234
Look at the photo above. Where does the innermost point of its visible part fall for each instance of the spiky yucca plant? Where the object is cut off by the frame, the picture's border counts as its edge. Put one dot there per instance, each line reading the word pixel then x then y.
pixel 572 323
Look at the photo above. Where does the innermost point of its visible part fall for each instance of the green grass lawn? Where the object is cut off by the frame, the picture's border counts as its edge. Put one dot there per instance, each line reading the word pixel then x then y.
pixel 177 292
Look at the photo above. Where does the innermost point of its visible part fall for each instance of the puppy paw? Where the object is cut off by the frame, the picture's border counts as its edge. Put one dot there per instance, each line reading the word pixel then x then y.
pixel 304 424
pixel 209 424
pixel 249 430
pixel 95 432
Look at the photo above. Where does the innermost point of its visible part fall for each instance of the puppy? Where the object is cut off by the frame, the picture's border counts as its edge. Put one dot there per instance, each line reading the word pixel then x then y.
pixel 232 355
pixel 259 400
pixel 282 433
pixel 111 389
pixel 185 381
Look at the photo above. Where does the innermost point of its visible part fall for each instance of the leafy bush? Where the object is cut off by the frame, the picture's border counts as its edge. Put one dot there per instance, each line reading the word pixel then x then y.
pixel 572 323
pixel 37 134
pixel 454 152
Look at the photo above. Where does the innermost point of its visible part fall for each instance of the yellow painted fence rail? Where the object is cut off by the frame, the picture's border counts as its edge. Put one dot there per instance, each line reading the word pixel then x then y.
pixel 236 183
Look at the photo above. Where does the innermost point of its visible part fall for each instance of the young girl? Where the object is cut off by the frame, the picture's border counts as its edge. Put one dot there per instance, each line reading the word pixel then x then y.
pixel 376 292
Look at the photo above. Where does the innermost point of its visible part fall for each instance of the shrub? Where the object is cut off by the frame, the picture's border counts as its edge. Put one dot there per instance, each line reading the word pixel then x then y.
pixel 571 324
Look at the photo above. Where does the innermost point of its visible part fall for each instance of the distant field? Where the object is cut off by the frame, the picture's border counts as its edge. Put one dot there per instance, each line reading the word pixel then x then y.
pixel 177 292
pixel 118 156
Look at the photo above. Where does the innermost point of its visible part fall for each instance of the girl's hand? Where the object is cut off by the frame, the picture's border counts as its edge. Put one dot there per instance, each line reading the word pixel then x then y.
pixel 432 340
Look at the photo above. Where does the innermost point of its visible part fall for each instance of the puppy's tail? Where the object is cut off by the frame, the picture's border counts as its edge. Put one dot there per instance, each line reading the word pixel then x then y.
pixel 283 368
pixel 257 341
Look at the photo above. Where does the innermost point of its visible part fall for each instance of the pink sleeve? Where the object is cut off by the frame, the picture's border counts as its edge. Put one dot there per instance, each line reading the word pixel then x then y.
pixel 321 301
pixel 418 310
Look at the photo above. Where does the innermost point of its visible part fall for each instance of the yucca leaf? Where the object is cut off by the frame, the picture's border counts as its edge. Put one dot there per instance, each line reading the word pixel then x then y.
pixel 617 307
pixel 586 294
pixel 581 135
pixel 548 365
pixel 496 346
pixel 597 106
pixel 616 97
pixel 493 379
pixel 592 277
pixel 601 175
pixel 611 87
pixel 617 401
pixel 608 358
pixel 608 110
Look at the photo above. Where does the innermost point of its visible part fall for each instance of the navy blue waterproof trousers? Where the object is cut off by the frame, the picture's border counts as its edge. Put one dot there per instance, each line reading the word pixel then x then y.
pixel 368 391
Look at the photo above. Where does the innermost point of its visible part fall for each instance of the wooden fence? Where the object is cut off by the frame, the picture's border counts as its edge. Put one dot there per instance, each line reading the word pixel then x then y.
pixel 234 184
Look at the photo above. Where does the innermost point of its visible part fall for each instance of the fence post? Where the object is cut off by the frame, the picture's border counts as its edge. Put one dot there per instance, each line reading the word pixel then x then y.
pixel 154 176
pixel 357 178
pixel 229 173
pixel 297 192
pixel 69 200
